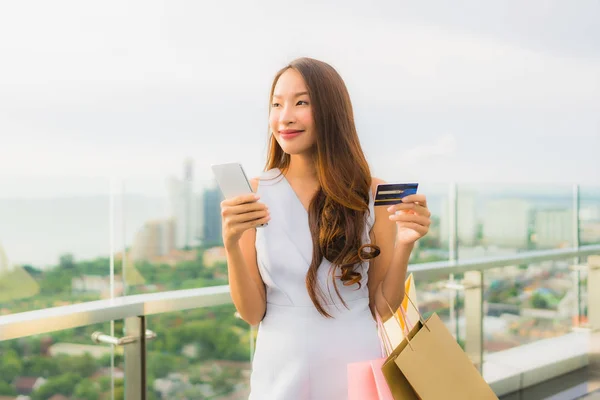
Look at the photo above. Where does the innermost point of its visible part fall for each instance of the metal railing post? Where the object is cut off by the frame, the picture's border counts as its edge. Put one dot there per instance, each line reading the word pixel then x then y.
pixel 453 252
pixel 593 293
pixel 135 359
pixel 474 311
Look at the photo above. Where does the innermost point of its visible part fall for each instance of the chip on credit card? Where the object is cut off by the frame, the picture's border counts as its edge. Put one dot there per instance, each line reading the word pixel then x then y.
pixel 392 193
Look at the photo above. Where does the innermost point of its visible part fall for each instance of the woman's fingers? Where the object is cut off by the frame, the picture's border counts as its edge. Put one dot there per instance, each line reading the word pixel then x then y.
pixel 249 216
pixel 236 201
pixel 410 208
pixel 228 210
pixel 413 218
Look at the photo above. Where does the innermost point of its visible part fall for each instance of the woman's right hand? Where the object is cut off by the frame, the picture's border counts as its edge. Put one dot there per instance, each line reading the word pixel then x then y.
pixel 240 214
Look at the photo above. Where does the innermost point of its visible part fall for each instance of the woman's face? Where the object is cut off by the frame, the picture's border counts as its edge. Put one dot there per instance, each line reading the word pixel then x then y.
pixel 291 118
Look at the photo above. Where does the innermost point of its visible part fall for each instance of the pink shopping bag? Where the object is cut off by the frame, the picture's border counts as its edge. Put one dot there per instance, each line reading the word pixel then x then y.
pixel 365 378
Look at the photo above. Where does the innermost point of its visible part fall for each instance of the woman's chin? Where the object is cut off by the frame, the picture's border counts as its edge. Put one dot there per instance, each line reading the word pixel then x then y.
pixel 295 150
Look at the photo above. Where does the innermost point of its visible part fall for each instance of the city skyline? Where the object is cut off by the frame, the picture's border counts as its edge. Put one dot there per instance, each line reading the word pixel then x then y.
pixel 33 224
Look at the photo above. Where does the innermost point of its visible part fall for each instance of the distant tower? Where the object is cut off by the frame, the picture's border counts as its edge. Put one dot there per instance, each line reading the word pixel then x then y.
pixel 212 216
pixel 188 187
pixel 183 207
pixel 155 238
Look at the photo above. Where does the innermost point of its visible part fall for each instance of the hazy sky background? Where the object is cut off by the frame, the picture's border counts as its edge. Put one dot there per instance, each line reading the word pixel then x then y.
pixel 465 91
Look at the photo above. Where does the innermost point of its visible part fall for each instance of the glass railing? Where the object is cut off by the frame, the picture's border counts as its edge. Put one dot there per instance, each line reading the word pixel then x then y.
pixel 205 350
pixel 63 363
pixel 199 354
pixel 506 219
pixel 528 302
pixel 589 215
pixel 435 246
pixel 54 243
pixel 103 240
pixel 170 234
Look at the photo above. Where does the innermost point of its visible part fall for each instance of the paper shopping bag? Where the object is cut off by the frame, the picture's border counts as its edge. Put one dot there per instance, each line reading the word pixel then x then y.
pixel 397 382
pixel 436 367
pixel 395 327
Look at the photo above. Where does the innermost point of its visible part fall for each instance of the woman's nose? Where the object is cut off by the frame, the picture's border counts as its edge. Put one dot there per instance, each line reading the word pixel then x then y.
pixel 286 116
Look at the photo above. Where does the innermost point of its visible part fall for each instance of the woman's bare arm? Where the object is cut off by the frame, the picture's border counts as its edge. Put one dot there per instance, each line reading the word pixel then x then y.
pixel 246 285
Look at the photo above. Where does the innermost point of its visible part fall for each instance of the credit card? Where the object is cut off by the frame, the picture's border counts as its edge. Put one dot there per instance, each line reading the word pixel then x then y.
pixel 392 193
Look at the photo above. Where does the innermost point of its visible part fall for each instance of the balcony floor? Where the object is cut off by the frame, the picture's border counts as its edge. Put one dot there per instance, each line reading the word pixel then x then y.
pixel 583 384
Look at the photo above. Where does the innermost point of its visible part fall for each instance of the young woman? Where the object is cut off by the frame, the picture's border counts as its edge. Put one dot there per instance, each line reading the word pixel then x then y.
pixel 314 277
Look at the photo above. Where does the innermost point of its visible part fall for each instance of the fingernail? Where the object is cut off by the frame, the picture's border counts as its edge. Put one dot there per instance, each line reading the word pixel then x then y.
pixel 256 196
pixel 390 208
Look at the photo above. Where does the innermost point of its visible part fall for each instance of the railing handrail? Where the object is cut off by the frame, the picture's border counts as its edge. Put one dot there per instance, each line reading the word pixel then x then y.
pixel 55 319
pixel 426 270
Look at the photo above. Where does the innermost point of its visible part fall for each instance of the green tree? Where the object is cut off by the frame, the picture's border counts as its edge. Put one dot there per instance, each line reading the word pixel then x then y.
pixel 83 366
pixel 160 365
pixel 119 389
pixel 66 261
pixel 86 390
pixel 57 281
pixel 10 365
pixel 104 382
pixel 150 395
pixel 32 271
pixel 539 301
pixel 41 366
pixel 99 266
pixel 63 384
pixel 6 389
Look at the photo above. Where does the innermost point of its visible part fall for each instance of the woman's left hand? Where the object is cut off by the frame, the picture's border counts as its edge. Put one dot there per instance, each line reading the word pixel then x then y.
pixel 413 219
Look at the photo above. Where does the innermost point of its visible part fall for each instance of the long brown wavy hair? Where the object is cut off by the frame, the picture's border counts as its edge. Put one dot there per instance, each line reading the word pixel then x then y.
pixel 337 211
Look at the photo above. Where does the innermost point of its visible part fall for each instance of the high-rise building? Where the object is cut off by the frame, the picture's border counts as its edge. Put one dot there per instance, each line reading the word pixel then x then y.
pixel 199 232
pixel 553 228
pixel 183 207
pixel 212 232
pixel 507 223
pixel 156 238
pixel 590 213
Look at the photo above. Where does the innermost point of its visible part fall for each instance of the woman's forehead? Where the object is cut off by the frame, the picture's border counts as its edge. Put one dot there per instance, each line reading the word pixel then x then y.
pixel 290 83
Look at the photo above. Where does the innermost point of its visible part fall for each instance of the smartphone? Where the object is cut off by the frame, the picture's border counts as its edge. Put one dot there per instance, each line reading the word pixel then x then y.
pixel 232 180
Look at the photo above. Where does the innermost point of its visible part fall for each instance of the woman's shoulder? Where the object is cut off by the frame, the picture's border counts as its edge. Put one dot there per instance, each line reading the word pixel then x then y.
pixel 374 182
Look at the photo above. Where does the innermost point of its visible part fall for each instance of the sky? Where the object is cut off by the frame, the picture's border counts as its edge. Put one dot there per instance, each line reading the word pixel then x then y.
pixel 464 91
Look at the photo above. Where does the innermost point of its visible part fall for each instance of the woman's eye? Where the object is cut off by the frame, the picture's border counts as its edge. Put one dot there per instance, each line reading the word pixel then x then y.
pixel 302 101
pixel 275 105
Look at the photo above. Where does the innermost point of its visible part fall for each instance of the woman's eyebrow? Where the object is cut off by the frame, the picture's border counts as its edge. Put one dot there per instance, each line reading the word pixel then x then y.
pixel 295 95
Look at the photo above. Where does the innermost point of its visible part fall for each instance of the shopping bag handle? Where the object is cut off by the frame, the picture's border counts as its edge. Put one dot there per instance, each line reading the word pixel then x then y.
pixel 417 310
pixel 404 317
pixel 384 338
pixel 406 328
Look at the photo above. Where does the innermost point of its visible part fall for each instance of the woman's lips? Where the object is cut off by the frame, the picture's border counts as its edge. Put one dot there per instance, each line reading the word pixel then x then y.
pixel 290 133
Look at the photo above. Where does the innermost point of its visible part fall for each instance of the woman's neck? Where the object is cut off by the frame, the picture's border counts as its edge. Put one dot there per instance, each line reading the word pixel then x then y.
pixel 302 167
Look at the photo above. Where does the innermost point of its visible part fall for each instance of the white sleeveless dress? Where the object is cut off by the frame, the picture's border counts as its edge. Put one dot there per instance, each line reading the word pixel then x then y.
pixel 301 355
